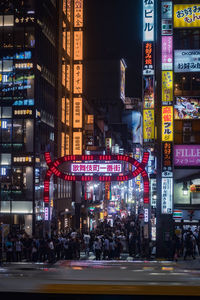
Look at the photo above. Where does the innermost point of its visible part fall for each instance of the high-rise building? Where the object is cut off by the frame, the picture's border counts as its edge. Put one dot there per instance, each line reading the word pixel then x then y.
pixel 28 76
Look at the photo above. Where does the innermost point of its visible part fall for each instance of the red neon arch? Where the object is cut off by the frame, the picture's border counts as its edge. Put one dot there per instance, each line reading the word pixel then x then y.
pixel 53 169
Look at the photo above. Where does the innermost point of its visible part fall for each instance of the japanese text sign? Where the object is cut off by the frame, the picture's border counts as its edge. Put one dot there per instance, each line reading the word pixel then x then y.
pixel 167 123
pixel 96 168
pixel 78 13
pixel 167 191
pixel 148 67
pixel 77 113
pixel 148 124
pixel 186 15
pixel 78 45
pixel 167 86
pixel 186 61
pixel 77 143
pixel 78 78
pixel 167 156
pixel 148 97
pixel 167 10
pixel 148 20
pixel 167 50
pixel 187 155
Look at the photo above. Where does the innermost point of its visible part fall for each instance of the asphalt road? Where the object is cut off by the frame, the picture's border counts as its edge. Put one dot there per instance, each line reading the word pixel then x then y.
pixel 103 278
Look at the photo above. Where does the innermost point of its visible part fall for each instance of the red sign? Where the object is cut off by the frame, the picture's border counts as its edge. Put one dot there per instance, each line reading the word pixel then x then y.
pixel 53 169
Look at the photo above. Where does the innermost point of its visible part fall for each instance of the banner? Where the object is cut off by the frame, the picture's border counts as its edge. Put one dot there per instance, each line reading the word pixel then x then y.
pixel 186 61
pixel 167 123
pixel 148 20
pixel 167 86
pixel 167 52
pixel 186 15
pixel 148 124
pixel 167 192
pixel 187 155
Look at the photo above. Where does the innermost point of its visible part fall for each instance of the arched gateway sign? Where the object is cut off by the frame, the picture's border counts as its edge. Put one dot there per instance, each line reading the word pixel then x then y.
pixel 101 167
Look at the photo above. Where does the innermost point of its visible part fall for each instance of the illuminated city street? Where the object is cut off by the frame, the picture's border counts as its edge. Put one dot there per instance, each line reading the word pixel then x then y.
pixel 100 148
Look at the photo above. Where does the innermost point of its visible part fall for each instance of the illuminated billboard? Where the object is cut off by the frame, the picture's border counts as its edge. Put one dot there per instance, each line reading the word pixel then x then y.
pixel 167 52
pixel 78 13
pixel 186 61
pixel 186 15
pixel 78 78
pixel 77 143
pixel 167 192
pixel 148 65
pixel 148 124
pixel 96 168
pixel 77 113
pixel 187 155
pixel 167 123
pixel 167 86
pixel 148 90
pixel 148 20
pixel 78 45
pixel 122 82
pixel 187 108
pixel 167 10
pixel 167 28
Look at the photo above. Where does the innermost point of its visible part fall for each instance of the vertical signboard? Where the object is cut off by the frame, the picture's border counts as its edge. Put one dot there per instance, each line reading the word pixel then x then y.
pixel 167 108
pixel 78 13
pixel 78 45
pixel 122 79
pixel 167 87
pixel 77 113
pixel 77 143
pixel 78 78
pixel 167 49
pixel 148 64
pixel 148 20
pixel 148 125
pixel 167 192
pixel 167 123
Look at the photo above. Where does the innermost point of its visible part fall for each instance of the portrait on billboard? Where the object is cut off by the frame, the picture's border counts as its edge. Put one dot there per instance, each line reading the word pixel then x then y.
pixel 148 82
pixel 187 108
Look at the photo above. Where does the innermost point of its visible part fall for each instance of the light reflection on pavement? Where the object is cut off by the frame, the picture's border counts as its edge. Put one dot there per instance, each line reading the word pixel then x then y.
pixel 27 277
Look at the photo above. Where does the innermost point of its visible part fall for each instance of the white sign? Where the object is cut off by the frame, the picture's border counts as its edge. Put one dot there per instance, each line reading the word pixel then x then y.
pixel 148 20
pixel 153 192
pixel 146 215
pixel 46 213
pixel 96 168
pixel 186 61
pixel 167 192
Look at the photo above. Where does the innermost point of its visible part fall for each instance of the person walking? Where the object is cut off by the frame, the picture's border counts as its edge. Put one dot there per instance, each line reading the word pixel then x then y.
pixel 97 248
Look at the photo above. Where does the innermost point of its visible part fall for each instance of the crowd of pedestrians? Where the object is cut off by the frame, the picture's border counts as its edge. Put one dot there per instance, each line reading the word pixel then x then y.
pixel 103 243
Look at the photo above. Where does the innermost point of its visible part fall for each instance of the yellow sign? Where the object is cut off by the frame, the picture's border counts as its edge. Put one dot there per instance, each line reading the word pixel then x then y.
pixel 77 143
pixel 148 124
pixel 78 45
pixel 78 13
pixel 186 15
pixel 77 113
pixel 78 78
pixel 167 86
pixel 167 123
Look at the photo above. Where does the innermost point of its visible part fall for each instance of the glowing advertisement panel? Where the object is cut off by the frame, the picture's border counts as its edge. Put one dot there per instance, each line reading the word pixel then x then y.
pixel 148 124
pixel 167 10
pixel 77 143
pixel 187 155
pixel 167 123
pixel 167 52
pixel 148 90
pixel 78 13
pixel 148 20
pixel 167 28
pixel 78 78
pixel 187 108
pixel 167 192
pixel 122 81
pixel 186 15
pixel 96 168
pixel 186 61
pixel 77 113
pixel 148 65
pixel 167 86
pixel 78 45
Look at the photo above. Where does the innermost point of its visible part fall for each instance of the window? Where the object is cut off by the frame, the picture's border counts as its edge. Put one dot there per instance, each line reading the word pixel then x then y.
pixel 17 131
pixel 19 37
pixel 29 37
pixel 8 20
pixel 6 130
pixel 6 112
pixel 5 159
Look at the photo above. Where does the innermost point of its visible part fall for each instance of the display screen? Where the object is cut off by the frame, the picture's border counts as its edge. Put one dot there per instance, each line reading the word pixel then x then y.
pixel 187 108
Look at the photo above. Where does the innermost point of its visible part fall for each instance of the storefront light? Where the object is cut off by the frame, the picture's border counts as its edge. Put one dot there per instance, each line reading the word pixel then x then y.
pixel 185 189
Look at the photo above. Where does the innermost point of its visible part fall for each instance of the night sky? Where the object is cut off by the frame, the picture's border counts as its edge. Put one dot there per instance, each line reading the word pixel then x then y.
pixel 113 29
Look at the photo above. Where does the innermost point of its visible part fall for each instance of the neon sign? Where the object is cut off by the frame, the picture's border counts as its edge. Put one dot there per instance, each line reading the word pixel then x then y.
pixel 139 169
pixel 96 168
